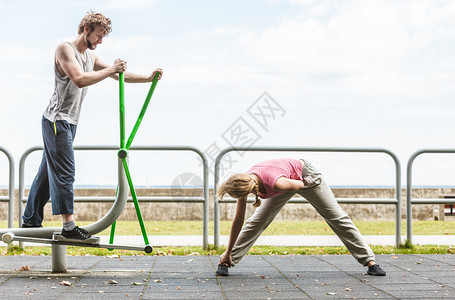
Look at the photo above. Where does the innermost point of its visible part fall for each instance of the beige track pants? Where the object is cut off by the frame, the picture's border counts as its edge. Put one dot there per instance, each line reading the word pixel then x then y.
pixel 320 196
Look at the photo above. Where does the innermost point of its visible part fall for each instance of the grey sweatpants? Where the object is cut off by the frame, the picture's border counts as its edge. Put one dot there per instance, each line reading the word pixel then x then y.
pixel 320 196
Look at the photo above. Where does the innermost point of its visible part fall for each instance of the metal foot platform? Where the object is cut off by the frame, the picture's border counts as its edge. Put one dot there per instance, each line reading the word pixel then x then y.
pixel 95 240
pixel 10 237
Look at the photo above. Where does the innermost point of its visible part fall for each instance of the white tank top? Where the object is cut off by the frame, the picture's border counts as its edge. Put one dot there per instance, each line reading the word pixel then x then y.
pixel 66 102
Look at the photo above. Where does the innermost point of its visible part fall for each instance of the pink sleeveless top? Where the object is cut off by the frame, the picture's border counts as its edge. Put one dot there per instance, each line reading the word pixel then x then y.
pixel 270 170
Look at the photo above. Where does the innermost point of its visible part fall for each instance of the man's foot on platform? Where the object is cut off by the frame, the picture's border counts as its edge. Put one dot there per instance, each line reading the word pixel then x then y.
pixel 222 270
pixel 76 234
pixel 26 225
pixel 375 270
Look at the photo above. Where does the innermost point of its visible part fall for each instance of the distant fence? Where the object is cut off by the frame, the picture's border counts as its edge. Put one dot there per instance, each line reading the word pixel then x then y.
pixel 396 201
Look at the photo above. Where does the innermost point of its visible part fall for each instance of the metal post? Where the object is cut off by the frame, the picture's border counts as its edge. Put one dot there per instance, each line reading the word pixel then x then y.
pixel 205 225
pixel 59 257
pixel 10 187
pixel 11 193
pixel 21 185
pixel 216 206
pixel 408 199
pixel 397 197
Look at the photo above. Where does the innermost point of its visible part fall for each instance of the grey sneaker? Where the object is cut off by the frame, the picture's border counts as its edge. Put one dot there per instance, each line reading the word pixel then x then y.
pixel 222 270
pixel 375 270
pixel 76 234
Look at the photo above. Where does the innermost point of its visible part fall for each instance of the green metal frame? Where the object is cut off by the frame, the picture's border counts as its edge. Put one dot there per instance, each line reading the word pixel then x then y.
pixel 124 147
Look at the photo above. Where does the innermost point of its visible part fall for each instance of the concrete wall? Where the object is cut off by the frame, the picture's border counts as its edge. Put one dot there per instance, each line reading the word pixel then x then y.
pixel 194 211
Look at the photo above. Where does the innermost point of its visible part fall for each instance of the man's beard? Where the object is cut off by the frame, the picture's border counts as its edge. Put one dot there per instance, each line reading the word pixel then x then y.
pixel 90 44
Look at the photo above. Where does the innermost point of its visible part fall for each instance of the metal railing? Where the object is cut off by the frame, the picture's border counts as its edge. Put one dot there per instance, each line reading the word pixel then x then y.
pixel 409 200
pixel 204 199
pixel 396 201
pixel 10 197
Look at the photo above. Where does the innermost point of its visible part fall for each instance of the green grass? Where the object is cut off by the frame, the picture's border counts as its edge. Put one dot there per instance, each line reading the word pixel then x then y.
pixel 255 250
pixel 276 228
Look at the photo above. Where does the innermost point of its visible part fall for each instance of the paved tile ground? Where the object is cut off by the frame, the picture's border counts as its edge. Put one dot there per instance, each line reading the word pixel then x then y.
pixel 256 277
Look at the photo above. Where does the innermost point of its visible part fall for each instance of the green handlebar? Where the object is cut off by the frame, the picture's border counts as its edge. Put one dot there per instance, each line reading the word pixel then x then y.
pixel 122 108
pixel 142 113
pixel 124 147
pixel 136 202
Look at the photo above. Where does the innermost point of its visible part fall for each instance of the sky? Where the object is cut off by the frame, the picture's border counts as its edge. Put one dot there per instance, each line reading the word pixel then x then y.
pixel 272 73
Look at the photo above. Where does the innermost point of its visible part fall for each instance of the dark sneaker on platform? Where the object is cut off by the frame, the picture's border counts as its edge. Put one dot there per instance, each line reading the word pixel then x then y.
pixel 222 270
pixel 76 234
pixel 25 225
pixel 375 270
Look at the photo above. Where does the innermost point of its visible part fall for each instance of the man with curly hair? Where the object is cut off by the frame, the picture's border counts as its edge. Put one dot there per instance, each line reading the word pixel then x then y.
pixel 76 66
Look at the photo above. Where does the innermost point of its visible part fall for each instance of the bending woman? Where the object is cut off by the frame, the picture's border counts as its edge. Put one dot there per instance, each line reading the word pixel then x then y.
pixel 276 181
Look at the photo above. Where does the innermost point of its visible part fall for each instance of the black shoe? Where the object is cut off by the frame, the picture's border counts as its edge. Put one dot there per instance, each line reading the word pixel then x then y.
pixel 375 270
pixel 25 225
pixel 222 270
pixel 76 234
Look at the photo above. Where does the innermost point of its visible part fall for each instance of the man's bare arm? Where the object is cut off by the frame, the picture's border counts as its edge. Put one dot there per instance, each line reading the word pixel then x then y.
pixel 66 62
pixel 130 77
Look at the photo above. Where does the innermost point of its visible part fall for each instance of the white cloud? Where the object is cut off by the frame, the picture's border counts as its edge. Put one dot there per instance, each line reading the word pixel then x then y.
pixel 119 44
pixel 118 4
pixel 26 77
pixel 218 31
pixel 378 44
pixel 303 2
pixel 359 47
pixel 21 53
pixel 316 7
pixel 130 4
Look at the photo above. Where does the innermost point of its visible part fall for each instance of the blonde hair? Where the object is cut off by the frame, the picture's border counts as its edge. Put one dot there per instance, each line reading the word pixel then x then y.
pixel 93 20
pixel 239 185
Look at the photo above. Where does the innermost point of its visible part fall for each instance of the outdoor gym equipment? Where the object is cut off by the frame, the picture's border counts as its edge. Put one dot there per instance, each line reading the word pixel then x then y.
pixel 52 235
